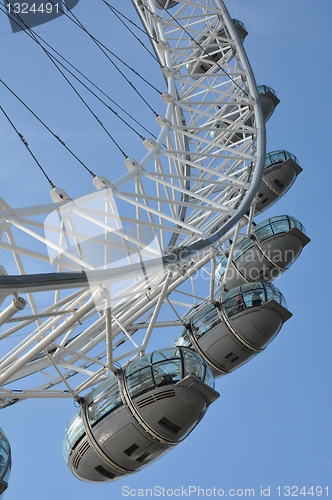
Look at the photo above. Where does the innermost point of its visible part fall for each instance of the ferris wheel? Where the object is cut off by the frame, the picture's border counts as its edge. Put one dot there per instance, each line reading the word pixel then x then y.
pixel 170 244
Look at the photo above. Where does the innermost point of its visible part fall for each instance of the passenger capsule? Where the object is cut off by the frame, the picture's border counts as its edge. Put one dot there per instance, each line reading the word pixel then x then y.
pixel 134 417
pixel 230 113
pixel 280 173
pixel 161 4
pixel 229 334
pixel 5 463
pixel 269 100
pixel 240 29
pixel 210 50
pixel 271 249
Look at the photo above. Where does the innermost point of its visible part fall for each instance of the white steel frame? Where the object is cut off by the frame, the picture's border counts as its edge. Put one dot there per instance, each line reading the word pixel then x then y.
pixel 192 190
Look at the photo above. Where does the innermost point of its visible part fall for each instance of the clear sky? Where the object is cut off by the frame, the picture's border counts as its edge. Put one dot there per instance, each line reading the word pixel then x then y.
pixel 272 423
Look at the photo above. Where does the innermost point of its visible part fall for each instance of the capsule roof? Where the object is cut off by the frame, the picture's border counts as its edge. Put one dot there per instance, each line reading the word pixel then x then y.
pixel 252 295
pixel 249 295
pixel 279 156
pixel 236 21
pixel 258 298
pixel 267 228
pixel 280 224
pixel 166 366
pixel 263 89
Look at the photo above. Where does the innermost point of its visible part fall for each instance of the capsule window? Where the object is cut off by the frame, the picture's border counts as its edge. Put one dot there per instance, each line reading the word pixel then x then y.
pixel 167 373
pixel 139 364
pixel 4 469
pixel 140 381
pixel 243 245
pixel 264 201
pixel 221 268
pixel 280 224
pixel 229 355
pixel 254 297
pixel 106 402
pixel 165 354
pixel 193 365
pixel 234 304
pixel 204 321
pixel 183 339
pixel 295 223
pixel 209 378
pixel 233 360
pixel 75 430
pixel 273 293
pixel 65 448
pixel 264 232
pixel 4 444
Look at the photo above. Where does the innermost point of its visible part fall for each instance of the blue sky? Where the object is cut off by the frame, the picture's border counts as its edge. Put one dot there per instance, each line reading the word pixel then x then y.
pixel 272 423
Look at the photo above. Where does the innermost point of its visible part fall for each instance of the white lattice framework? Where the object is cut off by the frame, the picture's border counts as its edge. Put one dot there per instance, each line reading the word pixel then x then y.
pixel 191 191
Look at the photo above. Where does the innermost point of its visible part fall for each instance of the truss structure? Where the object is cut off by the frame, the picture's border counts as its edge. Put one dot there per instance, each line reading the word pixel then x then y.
pixel 137 256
